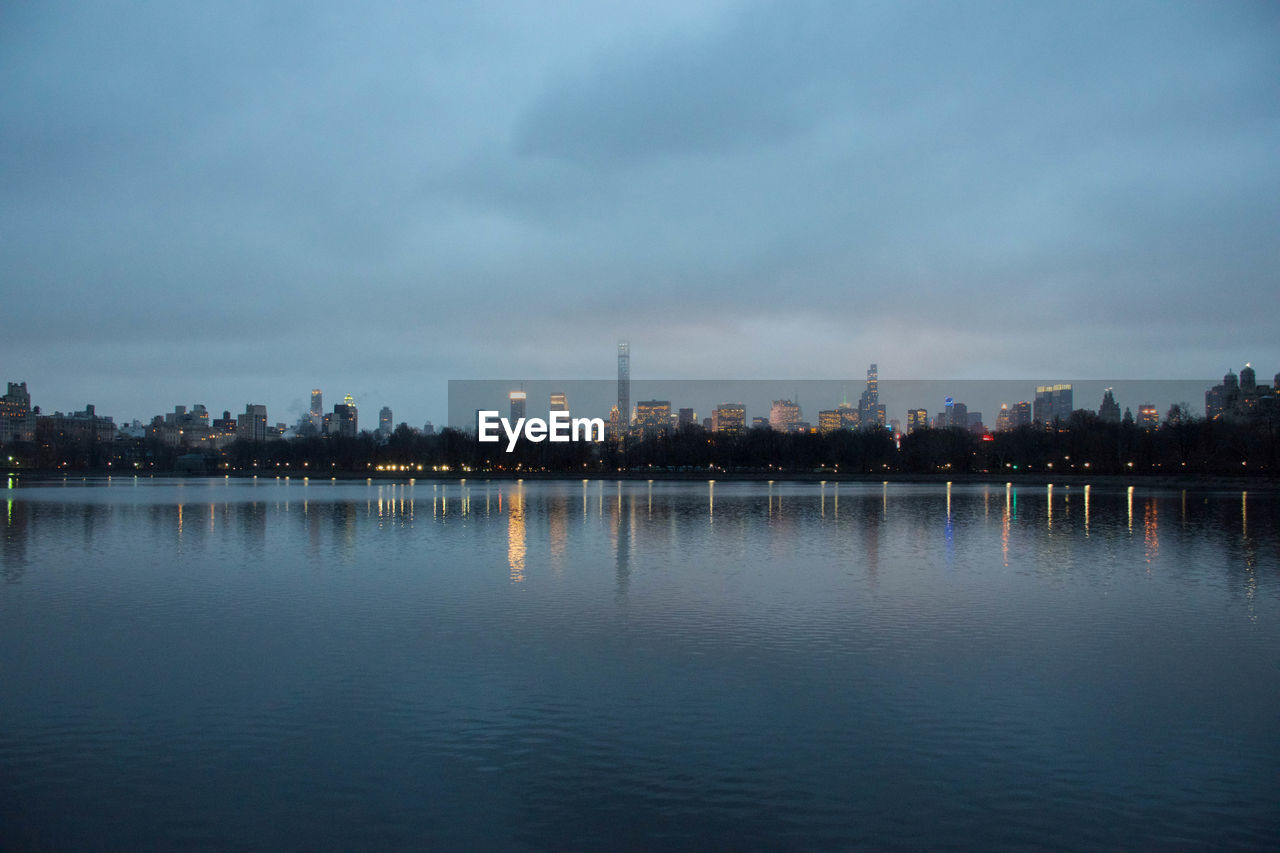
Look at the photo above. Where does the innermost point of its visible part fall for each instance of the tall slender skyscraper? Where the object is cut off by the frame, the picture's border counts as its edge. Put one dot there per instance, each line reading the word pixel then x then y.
pixel 870 410
pixel 624 382
pixel 317 409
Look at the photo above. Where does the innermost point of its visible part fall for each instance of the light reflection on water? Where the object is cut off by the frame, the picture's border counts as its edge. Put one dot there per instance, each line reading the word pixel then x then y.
pixel 603 664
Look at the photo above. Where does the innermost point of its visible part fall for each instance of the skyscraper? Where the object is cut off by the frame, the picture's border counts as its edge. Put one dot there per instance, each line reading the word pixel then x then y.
pixel 559 403
pixel 624 382
pixel 654 416
pixel 17 421
pixel 1248 380
pixel 729 417
pixel 1002 419
pixel 917 419
pixel 517 400
pixel 1109 411
pixel 317 409
pixel 384 421
pixel 1052 402
pixel 870 411
pixel 784 415
pixel 828 421
pixel 252 425
pixel 345 420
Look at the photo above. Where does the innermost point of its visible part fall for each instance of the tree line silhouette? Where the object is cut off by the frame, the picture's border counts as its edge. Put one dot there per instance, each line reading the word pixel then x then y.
pixel 1083 444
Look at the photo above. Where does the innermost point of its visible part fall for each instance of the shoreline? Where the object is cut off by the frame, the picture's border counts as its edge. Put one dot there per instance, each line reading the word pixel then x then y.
pixel 1030 479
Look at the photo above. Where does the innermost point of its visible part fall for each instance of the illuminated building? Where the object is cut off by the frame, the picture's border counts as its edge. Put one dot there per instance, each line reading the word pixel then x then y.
pixel 728 417
pixel 850 417
pixel 615 423
pixel 252 425
pixel 917 419
pixel 687 417
pixel 624 382
pixel 870 410
pixel 784 415
pixel 1148 416
pixel 829 421
pixel 78 427
pixel 1241 397
pixel 345 420
pixel 653 416
pixel 385 419
pixel 517 399
pixel 758 422
pixel 1020 414
pixel 1215 404
pixel 559 403
pixel 1002 419
pixel 1052 402
pixel 17 421
pixel 317 409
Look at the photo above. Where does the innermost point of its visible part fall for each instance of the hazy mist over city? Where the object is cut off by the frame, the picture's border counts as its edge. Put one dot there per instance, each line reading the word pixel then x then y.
pixel 237 203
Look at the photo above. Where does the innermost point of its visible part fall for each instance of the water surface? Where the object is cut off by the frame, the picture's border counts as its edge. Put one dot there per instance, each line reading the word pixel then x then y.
pixel 320 665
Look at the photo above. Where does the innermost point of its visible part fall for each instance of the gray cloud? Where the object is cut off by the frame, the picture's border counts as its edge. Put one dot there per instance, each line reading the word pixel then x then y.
pixel 253 200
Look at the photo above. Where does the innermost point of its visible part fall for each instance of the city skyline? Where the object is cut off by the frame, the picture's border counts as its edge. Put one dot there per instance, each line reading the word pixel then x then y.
pixel 1199 397
pixel 368 200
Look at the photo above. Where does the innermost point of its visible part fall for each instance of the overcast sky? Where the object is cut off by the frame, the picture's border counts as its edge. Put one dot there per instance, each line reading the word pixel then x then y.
pixel 230 203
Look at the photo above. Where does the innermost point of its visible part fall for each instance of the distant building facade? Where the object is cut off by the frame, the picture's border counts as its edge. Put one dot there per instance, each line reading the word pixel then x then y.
pixel 1109 411
pixel 729 417
pixel 17 419
pixel 252 425
pixel 1052 402
pixel 85 427
pixel 653 417
pixel 1241 396
pixel 784 415
pixel 917 419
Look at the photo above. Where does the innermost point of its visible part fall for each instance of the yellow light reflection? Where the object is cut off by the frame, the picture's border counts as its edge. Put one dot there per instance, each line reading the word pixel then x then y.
pixel 1049 505
pixel 948 500
pixel 1086 510
pixel 1151 531
pixel 515 537
pixel 1130 500
pixel 1004 524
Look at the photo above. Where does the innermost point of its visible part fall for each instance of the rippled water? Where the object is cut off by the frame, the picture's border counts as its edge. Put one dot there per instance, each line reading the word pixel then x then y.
pixel 288 665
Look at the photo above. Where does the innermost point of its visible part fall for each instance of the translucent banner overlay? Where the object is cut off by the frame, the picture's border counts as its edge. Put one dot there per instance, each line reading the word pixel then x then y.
pixel 980 400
